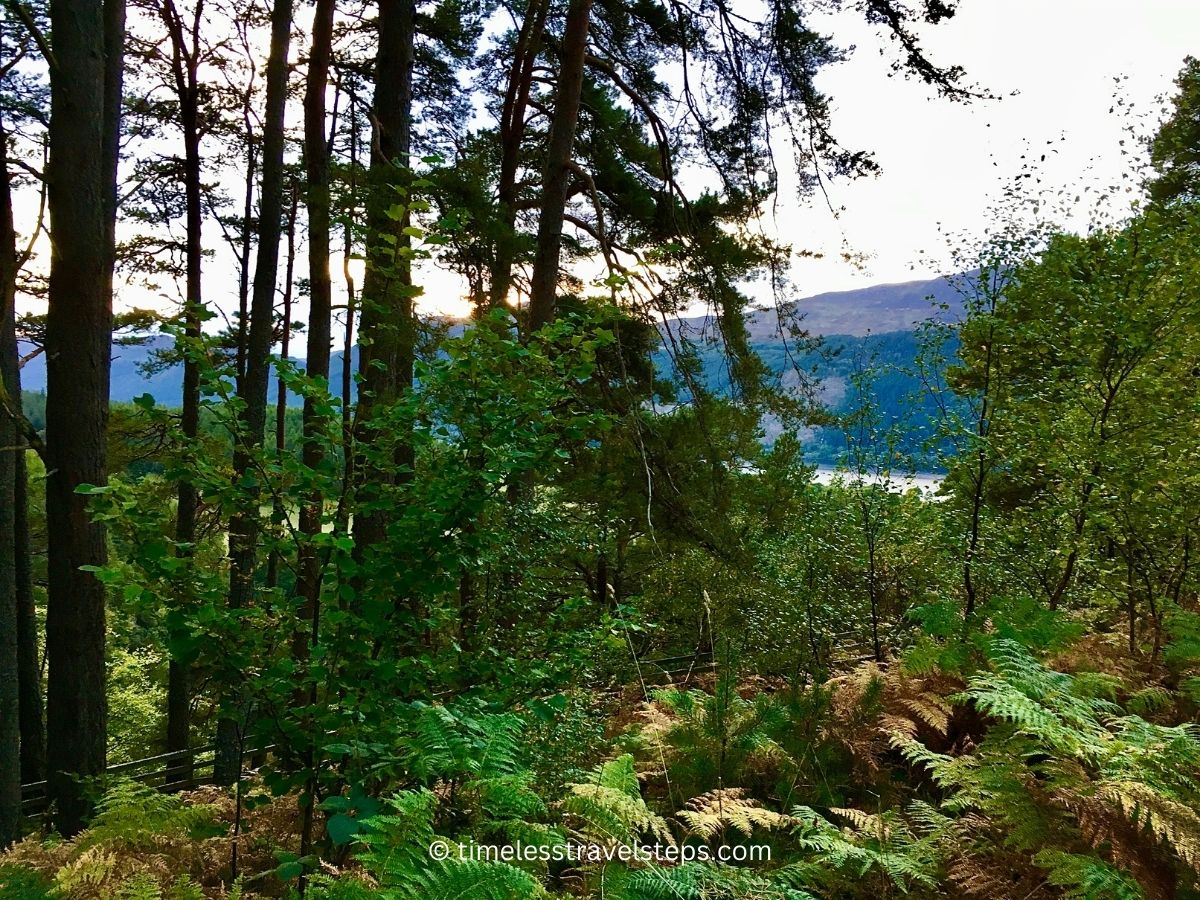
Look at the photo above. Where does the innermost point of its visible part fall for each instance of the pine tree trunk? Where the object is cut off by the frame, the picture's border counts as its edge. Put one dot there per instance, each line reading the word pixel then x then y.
pixel 348 331
pixel 320 336
pixel 387 327
pixel 512 130
pixel 252 387
pixel 316 164
pixel 10 451
pixel 188 501
pixel 85 100
pixel 278 512
pixel 33 728
pixel 244 252
pixel 543 290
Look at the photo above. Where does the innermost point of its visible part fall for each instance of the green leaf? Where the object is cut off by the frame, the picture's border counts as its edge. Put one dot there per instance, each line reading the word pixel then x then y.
pixel 341 828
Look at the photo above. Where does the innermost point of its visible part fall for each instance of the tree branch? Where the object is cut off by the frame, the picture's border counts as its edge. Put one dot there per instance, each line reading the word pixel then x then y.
pixel 26 18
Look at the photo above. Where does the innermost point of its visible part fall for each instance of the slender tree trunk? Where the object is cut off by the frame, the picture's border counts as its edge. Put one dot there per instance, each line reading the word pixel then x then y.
pixel 387 327
pixel 33 729
pixel 316 163
pixel 543 288
pixel 11 449
pixel 543 291
pixel 246 244
pixel 252 387
pixel 244 253
pixel 512 130
pixel 85 101
pixel 185 63
pixel 316 166
pixel 278 513
pixel 348 277
pixel 29 672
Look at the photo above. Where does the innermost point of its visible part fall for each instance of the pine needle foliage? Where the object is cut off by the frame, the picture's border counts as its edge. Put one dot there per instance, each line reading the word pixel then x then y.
pixel 717 740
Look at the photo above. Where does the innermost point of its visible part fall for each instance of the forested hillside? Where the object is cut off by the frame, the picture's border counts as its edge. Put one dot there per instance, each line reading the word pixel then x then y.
pixel 882 342
pixel 547 602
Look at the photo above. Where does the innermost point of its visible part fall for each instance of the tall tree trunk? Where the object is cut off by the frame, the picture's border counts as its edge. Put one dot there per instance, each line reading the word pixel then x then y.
pixel 33 733
pixel 543 289
pixel 252 387
pixel 278 513
pixel 85 100
pixel 244 252
pixel 29 672
pixel 316 164
pixel 185 64
pixel 348 277
pixel 11 449
pixel 316 167
pixel 512 130
pixel 387 327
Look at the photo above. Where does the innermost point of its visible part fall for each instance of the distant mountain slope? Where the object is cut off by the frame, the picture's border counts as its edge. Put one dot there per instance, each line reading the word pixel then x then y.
pixel 880 310
pixel 128 379
pixel 872 310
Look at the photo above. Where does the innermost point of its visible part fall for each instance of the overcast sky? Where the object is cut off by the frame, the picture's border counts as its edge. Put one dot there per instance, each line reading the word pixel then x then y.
pixel 946 162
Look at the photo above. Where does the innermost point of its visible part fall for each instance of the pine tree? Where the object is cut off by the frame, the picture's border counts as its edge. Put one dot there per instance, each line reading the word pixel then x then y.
pixel 85 106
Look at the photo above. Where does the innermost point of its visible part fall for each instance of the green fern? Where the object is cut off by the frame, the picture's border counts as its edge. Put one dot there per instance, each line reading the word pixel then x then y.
pixel 1087 878
pixel 20 883
pixel 883 844
pixel 183 888
pixel 447 743
pixel 693 881
pixel 132 815
pixel 140 887
pixel 468 880
pixel 396 853
pixel 1061 767
pixel 609 809
pixel 327 887
pixel 147 887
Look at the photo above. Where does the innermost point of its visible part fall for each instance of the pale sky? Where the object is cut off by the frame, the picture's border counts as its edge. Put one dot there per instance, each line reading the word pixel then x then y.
pixel 1061 56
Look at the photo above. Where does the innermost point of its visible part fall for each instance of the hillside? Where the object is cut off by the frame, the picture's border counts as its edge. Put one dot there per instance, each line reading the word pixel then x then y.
pixel 876 309
pixel 844 315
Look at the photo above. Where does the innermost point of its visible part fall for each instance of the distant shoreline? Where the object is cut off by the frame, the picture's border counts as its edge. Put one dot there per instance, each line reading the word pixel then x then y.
pixel 926 482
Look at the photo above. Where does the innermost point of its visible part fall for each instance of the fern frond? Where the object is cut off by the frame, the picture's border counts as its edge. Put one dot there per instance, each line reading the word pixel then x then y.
pixel 696 881
pixel 930 709
pixel 132 815
pixel 711 814
pixel 467 879
pixel 1168 820
pixel 618 775
pixel 864 822
pixel 139 887
pixel 1087 878
pixel 88 871
pixel 605 815
pixel 453 742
